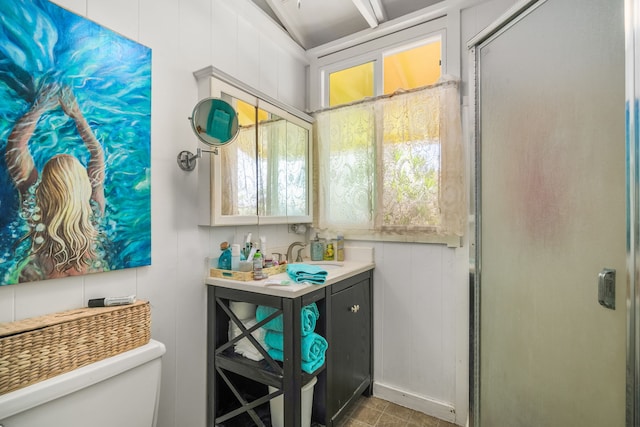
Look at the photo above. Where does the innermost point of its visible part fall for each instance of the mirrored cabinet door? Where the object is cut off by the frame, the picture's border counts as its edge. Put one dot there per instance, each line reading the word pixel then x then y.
pixel 298 171
pixel 264 176
pixel 238 179
pixel 284 159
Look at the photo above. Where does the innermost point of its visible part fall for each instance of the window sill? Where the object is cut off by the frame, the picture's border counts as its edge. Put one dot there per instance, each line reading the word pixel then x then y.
pixel 450 241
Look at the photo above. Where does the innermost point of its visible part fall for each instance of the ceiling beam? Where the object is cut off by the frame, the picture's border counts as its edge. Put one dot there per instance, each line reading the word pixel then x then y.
pixel 288 21
pixel 378 9
pixel 367 12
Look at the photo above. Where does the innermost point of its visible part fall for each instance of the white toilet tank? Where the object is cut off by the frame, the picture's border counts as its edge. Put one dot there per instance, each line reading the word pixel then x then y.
pixel 122 390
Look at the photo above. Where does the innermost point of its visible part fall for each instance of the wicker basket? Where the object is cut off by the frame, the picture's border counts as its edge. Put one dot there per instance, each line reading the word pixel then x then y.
pixel 39 348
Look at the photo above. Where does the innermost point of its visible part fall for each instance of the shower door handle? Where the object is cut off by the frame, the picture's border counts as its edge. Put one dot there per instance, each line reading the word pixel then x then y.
pixel 607 288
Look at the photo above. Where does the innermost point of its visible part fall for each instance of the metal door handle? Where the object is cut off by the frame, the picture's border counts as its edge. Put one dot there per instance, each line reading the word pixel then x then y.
pixel 355 308
pixel 607 288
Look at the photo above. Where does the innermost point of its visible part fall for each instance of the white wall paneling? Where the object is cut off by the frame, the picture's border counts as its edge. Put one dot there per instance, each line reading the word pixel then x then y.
pixel 419 290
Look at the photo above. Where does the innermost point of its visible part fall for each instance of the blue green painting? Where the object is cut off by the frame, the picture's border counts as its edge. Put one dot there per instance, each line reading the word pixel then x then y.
pixel 75 123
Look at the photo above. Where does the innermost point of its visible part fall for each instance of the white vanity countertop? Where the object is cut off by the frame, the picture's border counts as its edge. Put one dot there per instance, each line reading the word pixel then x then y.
pixel 337 271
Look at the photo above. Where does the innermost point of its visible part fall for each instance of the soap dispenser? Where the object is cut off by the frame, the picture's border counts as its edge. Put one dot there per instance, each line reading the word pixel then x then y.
pixel 224 262
pixel 317 249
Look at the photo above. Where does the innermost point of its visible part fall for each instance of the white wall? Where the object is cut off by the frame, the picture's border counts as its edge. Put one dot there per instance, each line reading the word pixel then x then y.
pixel 416 314
pixel 184 35
pixel 421 294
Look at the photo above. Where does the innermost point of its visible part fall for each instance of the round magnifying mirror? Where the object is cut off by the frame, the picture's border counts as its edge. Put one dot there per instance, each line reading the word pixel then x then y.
pixel 214 121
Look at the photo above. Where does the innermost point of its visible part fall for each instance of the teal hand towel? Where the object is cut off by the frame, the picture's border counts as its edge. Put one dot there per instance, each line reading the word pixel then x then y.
pixel 308 367
pixel 219 124
pixel 312 348
pixel 308 317
pixel 306 273
pixel 273 339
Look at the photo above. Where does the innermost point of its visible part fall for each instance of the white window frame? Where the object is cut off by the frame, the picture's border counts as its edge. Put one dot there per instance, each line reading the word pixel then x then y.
pixel 389 37
pixel 377 58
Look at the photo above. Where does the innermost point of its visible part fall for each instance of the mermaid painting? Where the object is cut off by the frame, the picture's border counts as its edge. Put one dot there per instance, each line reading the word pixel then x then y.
pixel 62 231
pixel 75 145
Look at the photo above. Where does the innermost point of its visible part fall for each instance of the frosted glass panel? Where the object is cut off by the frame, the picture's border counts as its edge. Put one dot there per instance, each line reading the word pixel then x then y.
pixel 552 216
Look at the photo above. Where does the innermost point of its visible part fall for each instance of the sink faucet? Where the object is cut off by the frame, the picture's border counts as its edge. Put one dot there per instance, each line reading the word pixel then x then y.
pixel 290 251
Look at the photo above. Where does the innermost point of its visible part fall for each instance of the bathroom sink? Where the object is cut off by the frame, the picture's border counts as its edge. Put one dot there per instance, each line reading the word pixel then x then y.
pixel 327 265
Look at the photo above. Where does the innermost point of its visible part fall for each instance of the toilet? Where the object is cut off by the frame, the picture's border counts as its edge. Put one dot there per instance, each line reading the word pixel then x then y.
pixel 122 390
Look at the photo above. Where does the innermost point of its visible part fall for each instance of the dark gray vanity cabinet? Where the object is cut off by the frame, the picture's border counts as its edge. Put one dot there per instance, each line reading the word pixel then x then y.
pixel 237 388
pixel 350 364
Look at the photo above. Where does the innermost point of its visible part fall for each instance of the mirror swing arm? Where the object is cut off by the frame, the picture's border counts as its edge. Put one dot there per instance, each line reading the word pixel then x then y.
pixel 215 123
pixel 187 160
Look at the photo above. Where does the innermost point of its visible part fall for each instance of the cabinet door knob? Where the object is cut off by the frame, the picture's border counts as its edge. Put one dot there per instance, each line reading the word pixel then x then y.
pixel 355 308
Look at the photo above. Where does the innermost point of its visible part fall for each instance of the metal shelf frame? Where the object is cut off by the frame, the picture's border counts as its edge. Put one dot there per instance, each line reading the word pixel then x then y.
pixel 287 377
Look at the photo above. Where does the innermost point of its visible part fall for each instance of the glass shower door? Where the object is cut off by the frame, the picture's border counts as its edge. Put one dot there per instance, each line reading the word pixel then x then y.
pixel 551 217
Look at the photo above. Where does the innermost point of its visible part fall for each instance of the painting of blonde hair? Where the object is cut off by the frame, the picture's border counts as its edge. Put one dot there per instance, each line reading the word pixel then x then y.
pixel 75 152
pixel 63 197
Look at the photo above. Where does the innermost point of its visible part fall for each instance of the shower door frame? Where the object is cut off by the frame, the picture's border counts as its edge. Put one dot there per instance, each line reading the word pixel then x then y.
pixel 632 94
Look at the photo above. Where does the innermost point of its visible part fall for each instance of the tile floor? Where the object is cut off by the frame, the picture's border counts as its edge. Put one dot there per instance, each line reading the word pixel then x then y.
pixel 372 411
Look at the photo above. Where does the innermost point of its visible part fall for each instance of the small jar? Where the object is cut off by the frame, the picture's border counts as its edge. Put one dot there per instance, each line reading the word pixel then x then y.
pixel 329 252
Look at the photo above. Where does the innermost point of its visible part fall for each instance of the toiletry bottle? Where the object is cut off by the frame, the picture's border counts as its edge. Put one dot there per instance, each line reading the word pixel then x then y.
pixel 263 248
pixel 224 262
pixel 257 266
pixel 340 247
pixel 317 249
pixel 329 251
pixel 247 247
pixel 235 257
pixel 268 261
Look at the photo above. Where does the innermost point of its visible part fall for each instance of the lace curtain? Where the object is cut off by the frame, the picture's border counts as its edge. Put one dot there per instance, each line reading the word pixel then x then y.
pixel 392 168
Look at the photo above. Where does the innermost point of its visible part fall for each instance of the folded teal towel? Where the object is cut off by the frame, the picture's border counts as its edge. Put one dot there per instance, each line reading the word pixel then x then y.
pixel 306 273
pixel 309 315
pixel 312 346
pixel 219 123
pixel 313 349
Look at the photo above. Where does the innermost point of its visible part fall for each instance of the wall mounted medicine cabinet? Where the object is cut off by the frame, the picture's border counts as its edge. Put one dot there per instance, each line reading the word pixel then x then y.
pixel 264 176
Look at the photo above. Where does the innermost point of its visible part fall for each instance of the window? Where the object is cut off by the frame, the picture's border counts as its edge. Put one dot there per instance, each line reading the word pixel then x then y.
pixel 407 67
pixel 412 68
pixel 351 84
pixel 390 165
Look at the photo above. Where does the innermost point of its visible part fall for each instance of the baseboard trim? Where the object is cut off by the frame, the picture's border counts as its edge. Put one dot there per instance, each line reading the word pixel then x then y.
pixel 435 408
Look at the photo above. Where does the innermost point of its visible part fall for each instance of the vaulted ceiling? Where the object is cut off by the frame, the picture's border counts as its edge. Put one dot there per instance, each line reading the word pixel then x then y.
pixel 312 23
